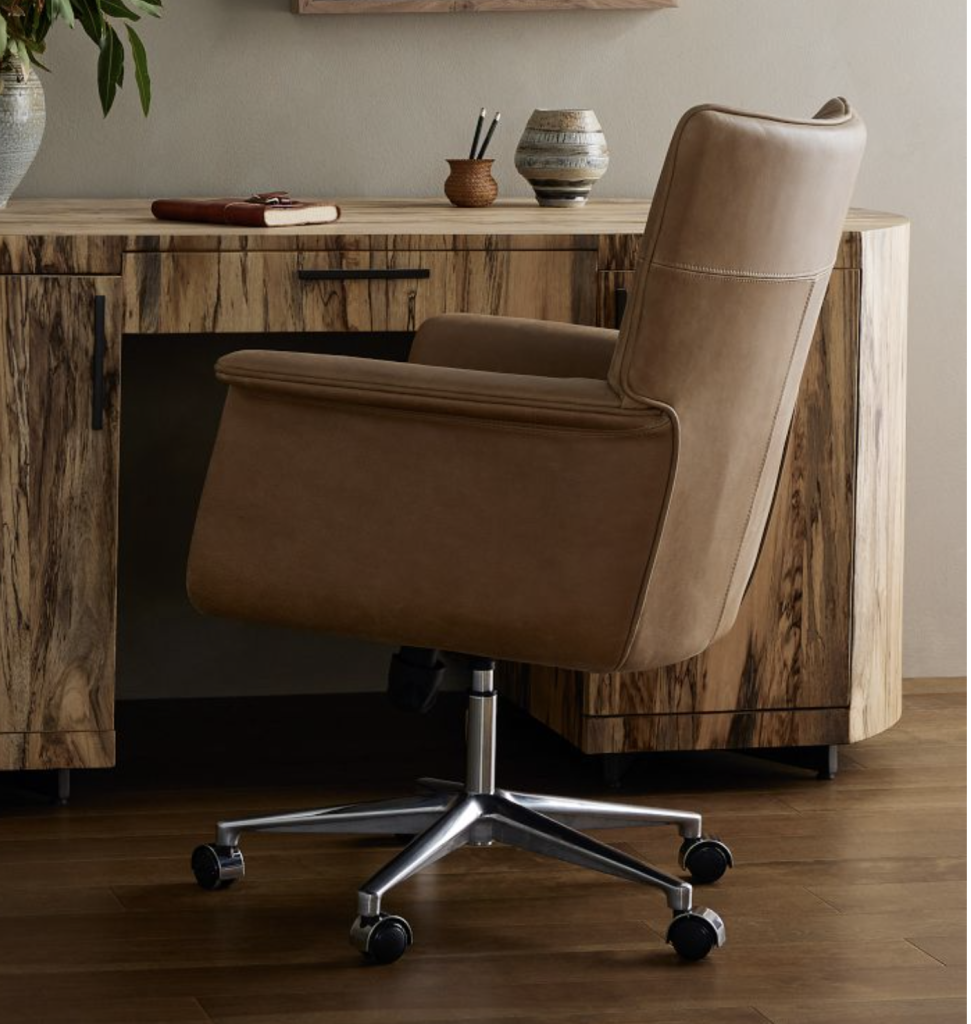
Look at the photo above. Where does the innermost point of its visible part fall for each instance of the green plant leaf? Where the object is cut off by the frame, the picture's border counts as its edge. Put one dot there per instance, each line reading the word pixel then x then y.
pixel 91 18
pixel 111 68
pixel 151 7
pixel 142 77
pixel 116 9
pixel 63 9
pixel 3 36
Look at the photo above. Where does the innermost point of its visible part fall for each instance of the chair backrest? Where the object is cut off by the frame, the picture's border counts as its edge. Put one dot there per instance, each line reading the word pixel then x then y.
pixel 732 270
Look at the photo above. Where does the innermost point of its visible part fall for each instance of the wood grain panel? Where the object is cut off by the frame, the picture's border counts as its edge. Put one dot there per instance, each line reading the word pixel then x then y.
pixel 877 660
pixel 556 697
pixel 225 292
pixel 15 636
pixel 728 731
pixel 70 749
pixel 58 497
pixel 545 285
pixel 40 750
pixel 60 254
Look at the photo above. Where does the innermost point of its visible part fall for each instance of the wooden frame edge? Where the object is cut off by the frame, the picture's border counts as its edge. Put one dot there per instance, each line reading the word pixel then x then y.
pixel 470 6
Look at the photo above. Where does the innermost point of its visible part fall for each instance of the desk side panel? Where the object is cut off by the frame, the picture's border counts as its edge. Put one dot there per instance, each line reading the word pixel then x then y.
pixel 877 660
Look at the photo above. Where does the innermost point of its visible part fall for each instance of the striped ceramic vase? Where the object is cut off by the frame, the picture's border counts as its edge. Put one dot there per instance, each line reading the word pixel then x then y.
pixel 562 154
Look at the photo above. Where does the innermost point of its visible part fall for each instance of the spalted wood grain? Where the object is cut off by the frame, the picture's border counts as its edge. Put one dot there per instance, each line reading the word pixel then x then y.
pixel 58 495
pixel 468 6
pixel 15 568
pixel 39 750
pixel 546 285
pixel 877 662
pixel 727 731
pixel 216 292
pixel 73 749
pixel 60 254
pixel 555 696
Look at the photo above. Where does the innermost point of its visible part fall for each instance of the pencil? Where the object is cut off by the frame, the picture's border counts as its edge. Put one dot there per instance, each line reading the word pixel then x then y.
pixel 478 132
pixel 489 134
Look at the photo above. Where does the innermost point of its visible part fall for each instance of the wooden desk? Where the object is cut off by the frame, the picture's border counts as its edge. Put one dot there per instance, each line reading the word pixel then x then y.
pixel 815 655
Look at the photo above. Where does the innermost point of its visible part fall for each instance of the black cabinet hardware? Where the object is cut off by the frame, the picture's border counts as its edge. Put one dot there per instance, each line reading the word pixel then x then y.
pixel 620 306
pixel 98 365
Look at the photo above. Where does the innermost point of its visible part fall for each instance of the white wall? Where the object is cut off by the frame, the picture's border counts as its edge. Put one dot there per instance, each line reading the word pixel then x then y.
pixel 250 97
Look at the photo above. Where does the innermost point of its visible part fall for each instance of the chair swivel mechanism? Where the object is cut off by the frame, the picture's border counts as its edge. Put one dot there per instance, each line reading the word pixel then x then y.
pixel 539 492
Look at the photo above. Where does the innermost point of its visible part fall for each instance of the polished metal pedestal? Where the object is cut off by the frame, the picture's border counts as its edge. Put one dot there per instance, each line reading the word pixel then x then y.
pixel 449 815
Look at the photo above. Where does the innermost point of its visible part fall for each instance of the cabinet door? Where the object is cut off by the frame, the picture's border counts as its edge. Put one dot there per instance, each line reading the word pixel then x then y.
pixel 282 291
pixel 550 285
pixel 59 352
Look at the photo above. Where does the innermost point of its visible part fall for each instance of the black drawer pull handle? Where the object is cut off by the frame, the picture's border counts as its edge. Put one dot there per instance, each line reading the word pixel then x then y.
pixel 393 274
pixel 620 306
pixel 98 365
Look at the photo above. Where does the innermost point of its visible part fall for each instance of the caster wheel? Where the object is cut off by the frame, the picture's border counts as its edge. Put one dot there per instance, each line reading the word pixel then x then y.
pixel 695 933
pixel 217 867
pixel 382 939
pixel 706 859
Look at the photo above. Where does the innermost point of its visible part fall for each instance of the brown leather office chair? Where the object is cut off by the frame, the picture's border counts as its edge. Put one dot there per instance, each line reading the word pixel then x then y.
pixel 540 492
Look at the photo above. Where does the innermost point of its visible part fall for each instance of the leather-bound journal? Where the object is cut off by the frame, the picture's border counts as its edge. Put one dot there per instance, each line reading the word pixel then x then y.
pixel 265 210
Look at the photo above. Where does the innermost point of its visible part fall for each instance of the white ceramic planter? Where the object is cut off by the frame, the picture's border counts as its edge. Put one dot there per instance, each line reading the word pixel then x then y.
pixel 22 119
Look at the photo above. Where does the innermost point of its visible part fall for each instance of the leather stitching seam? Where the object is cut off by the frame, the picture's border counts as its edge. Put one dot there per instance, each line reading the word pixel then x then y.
pixel 645 265
pixel 743 275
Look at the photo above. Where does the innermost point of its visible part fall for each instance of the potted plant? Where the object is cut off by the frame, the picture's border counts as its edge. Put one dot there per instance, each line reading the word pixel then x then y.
pixel 24 26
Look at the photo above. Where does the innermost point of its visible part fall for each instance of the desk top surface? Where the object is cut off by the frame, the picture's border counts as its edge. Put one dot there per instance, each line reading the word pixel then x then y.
pixel 360 217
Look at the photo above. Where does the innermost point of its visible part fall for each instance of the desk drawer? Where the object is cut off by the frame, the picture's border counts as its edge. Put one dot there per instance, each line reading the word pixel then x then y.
pixel 545 285
pixel 282 291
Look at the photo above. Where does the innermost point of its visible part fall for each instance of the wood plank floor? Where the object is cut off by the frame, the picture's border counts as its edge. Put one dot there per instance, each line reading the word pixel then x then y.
pixel 846 905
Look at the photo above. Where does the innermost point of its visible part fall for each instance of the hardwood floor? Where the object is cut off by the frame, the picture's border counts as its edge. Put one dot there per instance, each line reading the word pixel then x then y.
pixel 846 905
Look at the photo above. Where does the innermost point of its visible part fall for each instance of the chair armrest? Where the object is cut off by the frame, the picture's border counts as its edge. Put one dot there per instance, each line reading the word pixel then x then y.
pixel 516 398
pixel 496 514
pixel 541 348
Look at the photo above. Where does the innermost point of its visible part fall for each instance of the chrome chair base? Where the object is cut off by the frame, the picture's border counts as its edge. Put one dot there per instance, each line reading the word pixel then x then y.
pixel 449 815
